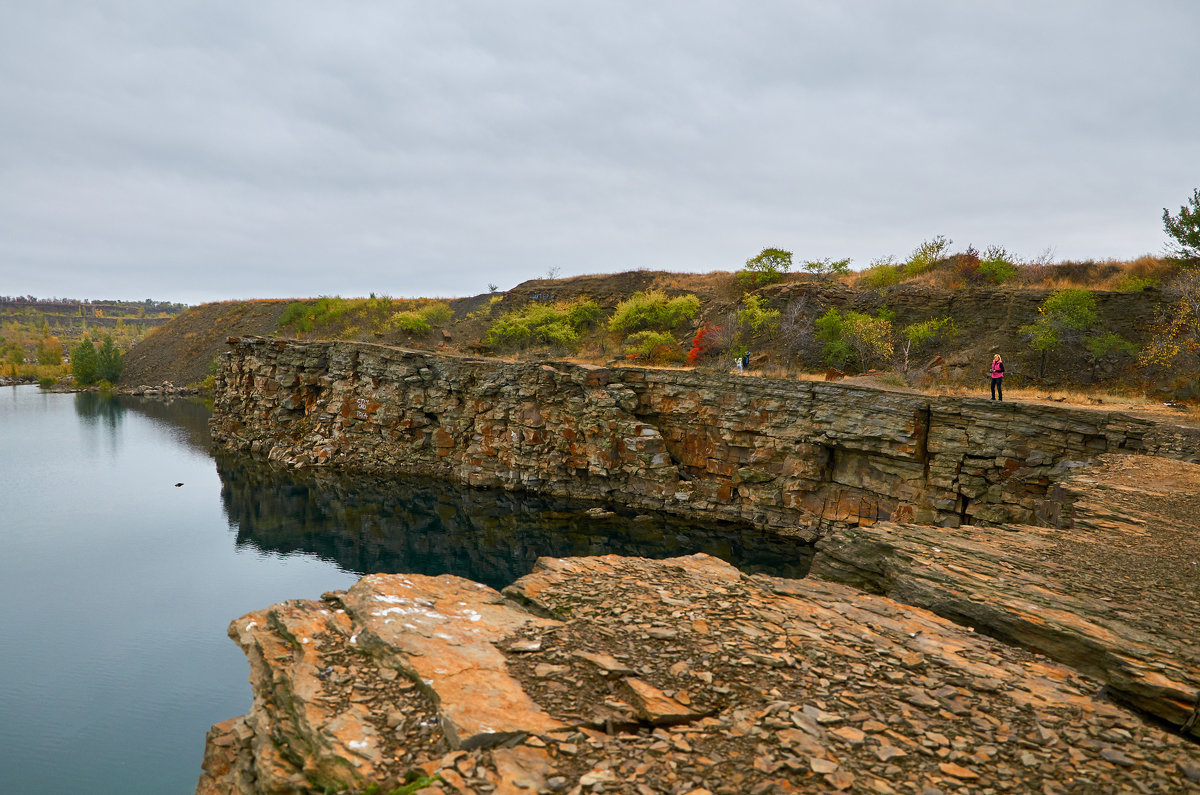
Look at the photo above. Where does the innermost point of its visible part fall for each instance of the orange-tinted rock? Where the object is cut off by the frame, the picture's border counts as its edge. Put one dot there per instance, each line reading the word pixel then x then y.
pixel 782 454
pixel 442 631
pixel 795 685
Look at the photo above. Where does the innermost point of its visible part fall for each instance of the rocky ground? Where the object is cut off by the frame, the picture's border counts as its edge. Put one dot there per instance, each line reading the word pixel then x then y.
pixel 680 676
pixel 1117 595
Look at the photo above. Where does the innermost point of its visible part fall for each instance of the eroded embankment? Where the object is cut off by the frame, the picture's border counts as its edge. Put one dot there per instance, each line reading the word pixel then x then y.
pixel 788 455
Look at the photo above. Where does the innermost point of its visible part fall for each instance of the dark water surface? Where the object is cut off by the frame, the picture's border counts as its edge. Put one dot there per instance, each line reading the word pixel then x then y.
pixel 117 586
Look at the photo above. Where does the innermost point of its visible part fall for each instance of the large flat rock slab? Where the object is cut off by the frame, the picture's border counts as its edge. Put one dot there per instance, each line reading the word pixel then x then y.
pixel 441 632
pixel 675 676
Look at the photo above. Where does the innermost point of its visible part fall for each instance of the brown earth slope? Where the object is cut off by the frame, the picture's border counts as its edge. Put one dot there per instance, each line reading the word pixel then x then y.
pixel 182 350
pixel 988 319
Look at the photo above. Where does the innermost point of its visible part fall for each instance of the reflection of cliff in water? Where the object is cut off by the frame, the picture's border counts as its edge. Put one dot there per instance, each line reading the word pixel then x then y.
pixel 431 527
pixel 186 419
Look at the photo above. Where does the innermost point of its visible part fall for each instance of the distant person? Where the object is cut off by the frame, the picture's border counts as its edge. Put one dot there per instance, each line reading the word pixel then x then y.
pixel 997 378
pixel 746 360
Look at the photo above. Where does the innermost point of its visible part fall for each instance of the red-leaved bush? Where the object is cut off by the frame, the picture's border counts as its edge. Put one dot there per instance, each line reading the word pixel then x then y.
pixel 704 343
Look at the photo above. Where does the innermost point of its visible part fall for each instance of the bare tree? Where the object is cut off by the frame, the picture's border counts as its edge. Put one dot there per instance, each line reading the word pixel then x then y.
pixel 797 334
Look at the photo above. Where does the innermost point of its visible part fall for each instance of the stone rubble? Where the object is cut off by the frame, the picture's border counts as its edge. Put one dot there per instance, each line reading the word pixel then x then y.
pixel 762 685
pixel 165 389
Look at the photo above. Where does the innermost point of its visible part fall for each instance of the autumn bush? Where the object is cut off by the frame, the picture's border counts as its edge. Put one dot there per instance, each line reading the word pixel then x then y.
pixel 423 319
pixel 704 344
pixel 652 310
pixel 653 347
pixel 557 325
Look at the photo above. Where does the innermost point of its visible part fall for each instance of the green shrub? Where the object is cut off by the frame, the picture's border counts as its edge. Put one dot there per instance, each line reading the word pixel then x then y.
pixel 557 325
pixel 45 382
pixel 766 268
pixel 486 309
pixel 653 346
pixel 855 337
pixel 437 313
pixel 652 311
pixel 307 315
pixel 997 265
pixel 916 336
pixel 755 315
pixel 422 320
pixel 85 365
pixel 583 314
pixel 560 334
pixel 1064 319
pixel 296 315
pixel 410 322
pixel 1132 283
pixel 927 255
pixel 828 267
pixel 109 361
pixel 883 272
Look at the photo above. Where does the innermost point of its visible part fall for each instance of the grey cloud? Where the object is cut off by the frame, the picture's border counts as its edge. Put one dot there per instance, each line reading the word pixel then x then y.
pixel 216 150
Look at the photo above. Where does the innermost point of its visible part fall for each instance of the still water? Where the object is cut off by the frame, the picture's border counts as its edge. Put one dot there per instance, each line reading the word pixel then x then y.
pixel 116 584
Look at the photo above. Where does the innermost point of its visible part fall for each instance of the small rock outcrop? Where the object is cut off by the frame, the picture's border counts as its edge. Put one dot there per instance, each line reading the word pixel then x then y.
pixel 165 389
pixel 629 675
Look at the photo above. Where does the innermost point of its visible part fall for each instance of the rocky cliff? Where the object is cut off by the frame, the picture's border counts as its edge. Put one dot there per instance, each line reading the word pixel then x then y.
pixel 789 455
pixel 620 674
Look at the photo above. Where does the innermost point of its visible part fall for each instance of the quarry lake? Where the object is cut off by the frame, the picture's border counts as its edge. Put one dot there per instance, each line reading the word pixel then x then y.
pixel 128 548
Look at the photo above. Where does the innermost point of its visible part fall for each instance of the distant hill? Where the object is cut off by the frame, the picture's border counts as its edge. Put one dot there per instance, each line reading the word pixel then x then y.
pixel 26 320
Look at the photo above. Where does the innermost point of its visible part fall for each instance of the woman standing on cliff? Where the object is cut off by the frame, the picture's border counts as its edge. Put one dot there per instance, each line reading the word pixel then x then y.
pixel 997 378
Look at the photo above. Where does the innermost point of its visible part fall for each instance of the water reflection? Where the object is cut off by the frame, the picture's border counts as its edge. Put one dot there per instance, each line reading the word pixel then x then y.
pixel 101 414
pixel 429 527
pixel 99 408
pixel 185 417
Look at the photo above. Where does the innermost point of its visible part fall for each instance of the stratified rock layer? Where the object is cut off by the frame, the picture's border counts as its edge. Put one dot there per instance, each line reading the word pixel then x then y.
pixel 638 676
pixel 789 455
pixel 1117 597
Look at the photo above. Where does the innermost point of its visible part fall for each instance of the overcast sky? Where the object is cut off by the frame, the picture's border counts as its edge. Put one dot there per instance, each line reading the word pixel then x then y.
pixel 195 151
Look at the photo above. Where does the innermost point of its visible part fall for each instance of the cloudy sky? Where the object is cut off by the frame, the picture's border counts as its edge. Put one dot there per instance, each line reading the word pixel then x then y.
pixel 205 150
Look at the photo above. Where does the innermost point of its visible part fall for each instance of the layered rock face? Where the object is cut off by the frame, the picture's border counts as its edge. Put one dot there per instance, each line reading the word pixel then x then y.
pixel 1117 597
pixel 679 676
pixel 788 455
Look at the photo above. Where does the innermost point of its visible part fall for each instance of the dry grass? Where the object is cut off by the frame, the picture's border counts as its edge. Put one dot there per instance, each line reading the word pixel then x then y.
pixel 1111 274
pixel 1076 396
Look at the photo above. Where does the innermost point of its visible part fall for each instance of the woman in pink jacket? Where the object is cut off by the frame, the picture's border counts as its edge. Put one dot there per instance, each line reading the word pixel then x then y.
pixel 997 378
